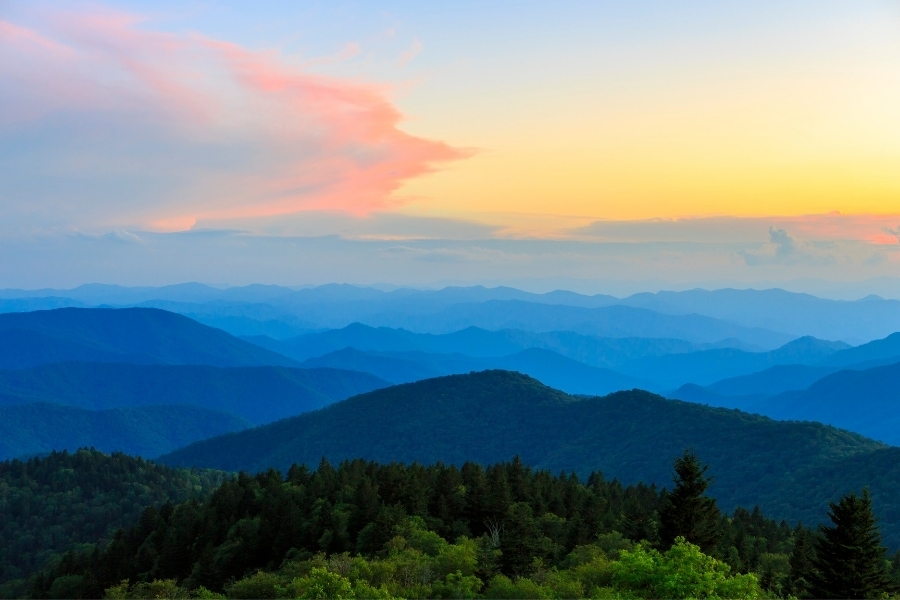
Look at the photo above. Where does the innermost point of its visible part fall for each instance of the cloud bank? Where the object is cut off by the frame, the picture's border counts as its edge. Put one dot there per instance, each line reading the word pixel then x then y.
pixel 105 122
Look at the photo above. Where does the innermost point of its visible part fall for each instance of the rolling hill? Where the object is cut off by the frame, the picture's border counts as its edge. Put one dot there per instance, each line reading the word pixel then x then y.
pixel 257 394
pixel 132 335
pixel 147 431
pixel 494 415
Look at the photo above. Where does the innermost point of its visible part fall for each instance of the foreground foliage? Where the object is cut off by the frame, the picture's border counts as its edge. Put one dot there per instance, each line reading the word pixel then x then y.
pixel 419 568
pixel 518 532
pixel 367 530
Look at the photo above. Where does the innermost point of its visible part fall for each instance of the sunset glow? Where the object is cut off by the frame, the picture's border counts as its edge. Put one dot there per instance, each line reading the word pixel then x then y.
pixel 696 123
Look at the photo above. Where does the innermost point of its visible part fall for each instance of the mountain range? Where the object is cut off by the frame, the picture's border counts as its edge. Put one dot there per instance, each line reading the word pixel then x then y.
pixel 284 312
pixel 607 364
pixel 562 380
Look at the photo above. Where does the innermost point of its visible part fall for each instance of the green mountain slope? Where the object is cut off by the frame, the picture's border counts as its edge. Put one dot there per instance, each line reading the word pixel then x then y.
pixel 147 431
pixel 49 504
pixel 258 394
pixel 491 416
pixel 134 335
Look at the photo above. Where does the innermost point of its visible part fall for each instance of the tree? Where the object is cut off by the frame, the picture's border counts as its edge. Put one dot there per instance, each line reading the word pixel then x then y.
pixel 850 560
pixel 683 571
pixel 802 567
pixel 686 512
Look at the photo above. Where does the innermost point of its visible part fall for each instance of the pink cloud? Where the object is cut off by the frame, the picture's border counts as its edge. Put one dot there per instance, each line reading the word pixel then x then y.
pixel 225 131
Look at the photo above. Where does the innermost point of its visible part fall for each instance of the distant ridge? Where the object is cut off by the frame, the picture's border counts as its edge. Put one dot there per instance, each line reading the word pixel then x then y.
pixel 132 335
pixel 866 401
pixel 547 366
pixel 257 394
pixel 796 313
pixel 708 366
pixel 147 431
pixel 478 342
pixel 608 321
pixel 283 311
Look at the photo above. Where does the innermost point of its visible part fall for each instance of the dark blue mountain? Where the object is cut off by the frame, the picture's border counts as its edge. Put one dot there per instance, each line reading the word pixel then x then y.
pixel 691 392
pixel 389 368
pixel 133 335
pixel 876 352
pixel 147 431
pixel 565 374
pixel 772 381
pixel 865 401
pixel 745 390
pixel 257 394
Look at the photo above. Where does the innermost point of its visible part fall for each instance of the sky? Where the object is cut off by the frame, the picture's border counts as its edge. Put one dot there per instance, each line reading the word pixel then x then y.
pixel 598 146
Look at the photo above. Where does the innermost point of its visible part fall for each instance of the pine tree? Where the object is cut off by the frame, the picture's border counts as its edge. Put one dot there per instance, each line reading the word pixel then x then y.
pixel 850 560
pixel 801 563
pixel 686 511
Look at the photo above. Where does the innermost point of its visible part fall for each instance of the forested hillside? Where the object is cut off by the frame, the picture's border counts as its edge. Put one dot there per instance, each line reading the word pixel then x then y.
pixel 48 504
pixel 491 416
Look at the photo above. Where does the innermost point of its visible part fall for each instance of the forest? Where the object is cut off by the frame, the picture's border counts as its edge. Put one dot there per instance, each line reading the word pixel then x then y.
pixel 53 503
pixel 367 530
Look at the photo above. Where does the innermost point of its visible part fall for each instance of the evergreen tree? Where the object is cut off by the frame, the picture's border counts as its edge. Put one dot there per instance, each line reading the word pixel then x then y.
pixel 850 560
pixel 801 562
pixel 686 512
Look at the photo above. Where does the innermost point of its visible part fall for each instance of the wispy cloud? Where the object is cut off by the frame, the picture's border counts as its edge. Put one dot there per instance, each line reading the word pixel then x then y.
pixel 415 48
pixel 782 249
pixel 108 122
pixel 832 226
pixel 893 236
